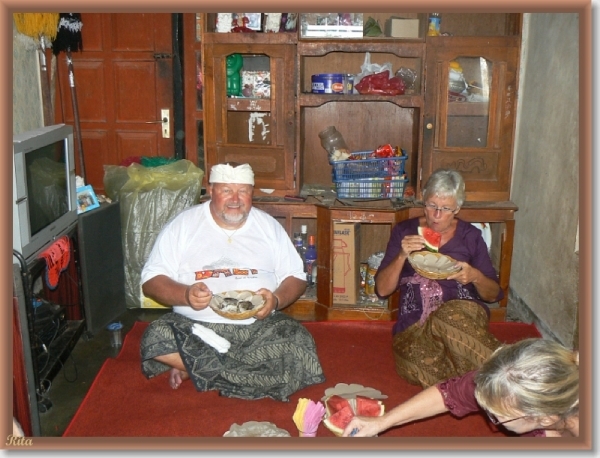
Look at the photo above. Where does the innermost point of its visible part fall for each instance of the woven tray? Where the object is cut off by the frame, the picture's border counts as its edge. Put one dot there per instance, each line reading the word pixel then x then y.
pixel 227 304
pixel 435 266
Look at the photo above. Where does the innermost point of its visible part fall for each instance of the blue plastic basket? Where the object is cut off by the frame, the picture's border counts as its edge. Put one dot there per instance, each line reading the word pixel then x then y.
pixel 371 188
pixel 366 167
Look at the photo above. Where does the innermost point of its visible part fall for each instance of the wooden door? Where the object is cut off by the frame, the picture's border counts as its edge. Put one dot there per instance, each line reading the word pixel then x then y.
pixel 123 79
pixel 471 129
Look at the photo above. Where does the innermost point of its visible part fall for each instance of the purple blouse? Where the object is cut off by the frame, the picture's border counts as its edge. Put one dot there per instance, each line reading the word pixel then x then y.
pixel 466 245
pixel 459 398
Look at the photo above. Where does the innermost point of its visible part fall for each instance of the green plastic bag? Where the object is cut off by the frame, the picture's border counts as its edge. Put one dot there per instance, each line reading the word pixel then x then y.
pixel 156 161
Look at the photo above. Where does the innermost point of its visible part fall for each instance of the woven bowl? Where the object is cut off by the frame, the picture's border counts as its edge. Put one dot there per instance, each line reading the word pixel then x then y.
pixel 435 266
pixel 233 311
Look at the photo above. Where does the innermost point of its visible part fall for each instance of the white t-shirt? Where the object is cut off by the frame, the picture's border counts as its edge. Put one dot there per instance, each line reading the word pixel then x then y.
pixel 192 248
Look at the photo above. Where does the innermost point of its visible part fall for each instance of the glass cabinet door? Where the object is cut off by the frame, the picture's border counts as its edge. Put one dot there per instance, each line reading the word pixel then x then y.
pixel 470 102
pixel 249 94
pixel 468 116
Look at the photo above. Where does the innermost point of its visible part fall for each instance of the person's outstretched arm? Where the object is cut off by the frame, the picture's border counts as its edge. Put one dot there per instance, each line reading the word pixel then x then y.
pixel 427 403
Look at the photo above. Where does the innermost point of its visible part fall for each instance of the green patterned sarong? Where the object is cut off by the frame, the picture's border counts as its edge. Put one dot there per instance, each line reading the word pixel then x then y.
pixel 272 358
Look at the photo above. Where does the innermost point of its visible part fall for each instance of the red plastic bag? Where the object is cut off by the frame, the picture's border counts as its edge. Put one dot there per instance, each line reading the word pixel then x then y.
pixel 381 84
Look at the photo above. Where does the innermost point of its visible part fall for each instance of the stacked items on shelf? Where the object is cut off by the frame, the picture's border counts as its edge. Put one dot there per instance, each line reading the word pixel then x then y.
pixel 371 174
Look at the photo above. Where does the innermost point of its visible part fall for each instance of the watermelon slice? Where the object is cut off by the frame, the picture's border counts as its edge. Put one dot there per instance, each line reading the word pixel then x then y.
pixel 368 407
pixel 339 420
pixel 432 238
pixel 335 403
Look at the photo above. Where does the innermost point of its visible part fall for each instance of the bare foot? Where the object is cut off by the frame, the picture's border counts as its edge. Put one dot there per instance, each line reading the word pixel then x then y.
pixel 176 377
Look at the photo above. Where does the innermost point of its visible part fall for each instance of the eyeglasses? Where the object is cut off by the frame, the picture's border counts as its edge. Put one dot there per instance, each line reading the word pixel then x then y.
pixel 435 208
pixel 497 422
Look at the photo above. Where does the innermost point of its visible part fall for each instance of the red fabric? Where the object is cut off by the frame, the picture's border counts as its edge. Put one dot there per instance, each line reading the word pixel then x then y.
pixel 57 257
pixel 122 402
pixel 459 394
pixel 66 292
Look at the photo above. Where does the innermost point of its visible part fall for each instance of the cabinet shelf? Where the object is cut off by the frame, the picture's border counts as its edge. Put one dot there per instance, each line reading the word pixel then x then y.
pixel 400 48
pixel 250 38
pixel 248 104
pixel 315 100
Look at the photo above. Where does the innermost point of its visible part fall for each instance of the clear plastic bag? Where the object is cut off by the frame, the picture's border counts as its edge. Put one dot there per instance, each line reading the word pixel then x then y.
pixel 149 197
pixel 409 76
pixel 369 68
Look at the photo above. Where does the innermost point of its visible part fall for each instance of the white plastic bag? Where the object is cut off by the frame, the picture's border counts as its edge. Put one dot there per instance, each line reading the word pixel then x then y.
pixel 368 68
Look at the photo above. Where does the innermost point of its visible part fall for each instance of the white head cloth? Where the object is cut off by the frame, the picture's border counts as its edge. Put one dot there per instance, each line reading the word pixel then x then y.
pixel 225 173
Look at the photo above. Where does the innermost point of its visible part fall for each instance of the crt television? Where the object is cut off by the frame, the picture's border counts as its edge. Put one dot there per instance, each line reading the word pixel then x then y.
pixel 44 194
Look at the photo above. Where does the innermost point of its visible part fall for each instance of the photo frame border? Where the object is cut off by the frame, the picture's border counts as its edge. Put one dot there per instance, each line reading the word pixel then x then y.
pixel 88 190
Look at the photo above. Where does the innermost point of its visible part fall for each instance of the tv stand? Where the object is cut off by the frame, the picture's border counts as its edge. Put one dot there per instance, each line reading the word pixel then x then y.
pixel 53 320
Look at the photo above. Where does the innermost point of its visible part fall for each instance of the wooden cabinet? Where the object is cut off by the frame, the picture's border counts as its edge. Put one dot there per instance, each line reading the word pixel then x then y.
pixel 365 121
pixel 376 225
pixel 471 131
pixel 259 130
pixel 292 216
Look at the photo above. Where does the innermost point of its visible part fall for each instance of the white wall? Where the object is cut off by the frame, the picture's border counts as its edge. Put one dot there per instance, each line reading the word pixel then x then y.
pixel 27 99
pixel 545 270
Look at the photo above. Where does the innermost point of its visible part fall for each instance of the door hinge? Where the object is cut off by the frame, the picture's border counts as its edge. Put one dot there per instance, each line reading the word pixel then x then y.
pixel 163 55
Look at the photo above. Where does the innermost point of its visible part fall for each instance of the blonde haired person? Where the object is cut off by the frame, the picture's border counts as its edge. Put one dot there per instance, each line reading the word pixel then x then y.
pixel 530 388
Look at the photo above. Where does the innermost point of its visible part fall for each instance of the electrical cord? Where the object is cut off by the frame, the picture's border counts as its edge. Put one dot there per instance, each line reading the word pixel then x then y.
pixel 64 369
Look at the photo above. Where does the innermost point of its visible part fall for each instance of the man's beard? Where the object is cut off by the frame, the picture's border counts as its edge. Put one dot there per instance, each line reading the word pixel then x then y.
pixel 234 219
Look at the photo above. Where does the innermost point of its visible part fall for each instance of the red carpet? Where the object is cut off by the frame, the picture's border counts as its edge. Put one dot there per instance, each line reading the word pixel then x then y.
pixel 123 403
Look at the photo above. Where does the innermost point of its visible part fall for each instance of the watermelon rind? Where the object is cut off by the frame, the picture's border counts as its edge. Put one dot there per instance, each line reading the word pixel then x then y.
pixel 428 245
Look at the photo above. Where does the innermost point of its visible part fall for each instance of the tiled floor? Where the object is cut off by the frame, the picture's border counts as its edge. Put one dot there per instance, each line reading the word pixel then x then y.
pixel 71 383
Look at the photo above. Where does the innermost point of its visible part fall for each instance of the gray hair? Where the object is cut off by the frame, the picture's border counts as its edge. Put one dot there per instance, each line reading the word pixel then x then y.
pixel 533 377
pixel 445 183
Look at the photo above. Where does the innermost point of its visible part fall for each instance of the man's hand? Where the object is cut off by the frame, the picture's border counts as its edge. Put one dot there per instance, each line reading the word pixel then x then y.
pixel 271 304
pixel 198 296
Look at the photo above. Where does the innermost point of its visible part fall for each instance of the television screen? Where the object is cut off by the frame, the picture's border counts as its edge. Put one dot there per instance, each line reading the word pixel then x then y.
pixel 44 194
pixel 46 179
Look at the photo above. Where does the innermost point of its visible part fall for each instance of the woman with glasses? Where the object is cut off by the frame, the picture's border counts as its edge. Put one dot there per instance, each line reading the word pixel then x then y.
pixel 442 326
pixel 531 388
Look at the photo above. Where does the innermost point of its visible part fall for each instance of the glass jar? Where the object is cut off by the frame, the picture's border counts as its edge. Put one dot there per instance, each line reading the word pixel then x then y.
pixel 333 141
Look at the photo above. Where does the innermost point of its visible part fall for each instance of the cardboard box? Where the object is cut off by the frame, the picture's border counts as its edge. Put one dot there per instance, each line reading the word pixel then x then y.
pixel 402 28
pixel 346 263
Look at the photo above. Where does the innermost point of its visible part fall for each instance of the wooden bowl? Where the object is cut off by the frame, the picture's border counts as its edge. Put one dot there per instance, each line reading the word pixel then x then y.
pixel 435 266
pixel 237 304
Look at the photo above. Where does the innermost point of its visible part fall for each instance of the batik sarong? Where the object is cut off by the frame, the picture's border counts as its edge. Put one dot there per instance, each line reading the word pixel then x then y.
pixel 453 340
pixel 273 357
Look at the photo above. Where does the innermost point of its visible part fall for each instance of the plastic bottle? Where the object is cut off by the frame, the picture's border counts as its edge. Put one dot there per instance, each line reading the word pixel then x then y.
pixel 434 25
pixel 304 237
pixel 332 140
pixel 310 257
pixel 298 243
